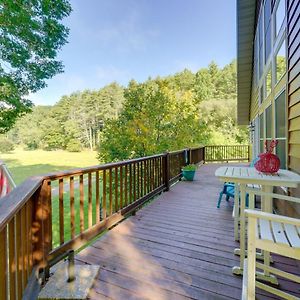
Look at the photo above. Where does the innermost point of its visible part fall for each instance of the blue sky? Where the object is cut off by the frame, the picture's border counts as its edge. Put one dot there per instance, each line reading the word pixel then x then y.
pixel 117 40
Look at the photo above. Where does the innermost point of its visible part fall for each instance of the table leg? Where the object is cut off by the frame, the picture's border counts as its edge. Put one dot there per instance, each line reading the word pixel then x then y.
pixel 267 206
pixel 236 212
pixel 239 270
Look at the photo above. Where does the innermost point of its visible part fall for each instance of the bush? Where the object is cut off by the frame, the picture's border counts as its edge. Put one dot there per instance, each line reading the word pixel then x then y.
pixel 6 145
pixel 73 146
pixel 189 168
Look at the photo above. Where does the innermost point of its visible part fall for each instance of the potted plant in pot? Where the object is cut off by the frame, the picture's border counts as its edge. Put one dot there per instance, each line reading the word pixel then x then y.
pixel 188 172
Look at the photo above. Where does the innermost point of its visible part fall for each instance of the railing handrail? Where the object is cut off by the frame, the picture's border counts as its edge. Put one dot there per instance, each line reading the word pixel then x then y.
pixel 235 145
pixel 17 198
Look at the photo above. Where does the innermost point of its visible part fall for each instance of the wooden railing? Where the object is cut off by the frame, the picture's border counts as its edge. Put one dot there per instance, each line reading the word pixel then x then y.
pixel 46 216
pixel 226 153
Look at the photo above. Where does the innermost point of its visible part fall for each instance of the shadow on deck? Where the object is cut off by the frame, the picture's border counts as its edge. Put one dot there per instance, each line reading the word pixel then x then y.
pixel 180 246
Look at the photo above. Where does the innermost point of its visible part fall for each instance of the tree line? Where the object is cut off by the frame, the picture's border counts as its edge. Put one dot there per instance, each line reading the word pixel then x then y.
pixel 181 110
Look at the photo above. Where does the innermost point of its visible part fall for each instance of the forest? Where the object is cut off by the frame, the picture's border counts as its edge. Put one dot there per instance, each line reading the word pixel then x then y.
pixel 164 113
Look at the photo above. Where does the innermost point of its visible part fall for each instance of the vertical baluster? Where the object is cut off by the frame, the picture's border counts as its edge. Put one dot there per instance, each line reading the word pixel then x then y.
pixel 19 254
pixel 160 171
pixel 152 174
pixel 121 187
pixel 13 259
pixel 97 198
pixel 3 263
pixel 130 184
pixel 134 181
pixel 116 190
pixel 104 195
pixel 61 210
pixel 24 242
pixel 145 176
pixel 148 176
pixel 30 237
pixel 81 212
pixel 126 185
pixel 110 192
pixel 138 180
pixel 90 207
pixel 141 180
pixel 156 172
pixel 72 208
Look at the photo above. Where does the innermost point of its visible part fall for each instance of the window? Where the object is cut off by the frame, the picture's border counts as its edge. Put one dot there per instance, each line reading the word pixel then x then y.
pixel 267 13
pixel 261 94
pixel 267 27
pixel 269 123
pixel 268 82
pixel 280 128
pixel 267 43
pixel 260 47
pixel 280 62
pixel 279 16
pixel 261 64
pixel 261 132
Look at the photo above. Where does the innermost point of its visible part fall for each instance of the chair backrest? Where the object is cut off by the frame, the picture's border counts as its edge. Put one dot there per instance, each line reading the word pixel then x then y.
pixel 253 162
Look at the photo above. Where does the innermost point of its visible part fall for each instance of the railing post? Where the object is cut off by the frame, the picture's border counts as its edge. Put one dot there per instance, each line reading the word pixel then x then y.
pixel 189 156
pixel 204 154
pixel 248 153
pixel 42 226
pixel 167 170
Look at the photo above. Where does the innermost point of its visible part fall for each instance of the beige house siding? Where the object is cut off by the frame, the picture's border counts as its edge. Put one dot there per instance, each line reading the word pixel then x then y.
pixel 293 91
pixel 290 82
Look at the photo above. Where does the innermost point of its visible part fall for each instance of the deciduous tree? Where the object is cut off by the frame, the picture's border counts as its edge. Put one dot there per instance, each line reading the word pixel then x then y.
pixel 31 34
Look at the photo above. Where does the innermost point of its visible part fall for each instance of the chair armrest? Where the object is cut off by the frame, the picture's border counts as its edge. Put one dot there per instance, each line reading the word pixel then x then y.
pixel 276 196
pixel 250 213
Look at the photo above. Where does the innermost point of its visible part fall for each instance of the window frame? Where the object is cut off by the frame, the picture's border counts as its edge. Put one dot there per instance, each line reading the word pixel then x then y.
pixel 283 90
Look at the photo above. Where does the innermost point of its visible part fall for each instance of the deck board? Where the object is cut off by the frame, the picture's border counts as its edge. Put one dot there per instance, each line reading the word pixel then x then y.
pixel 180 246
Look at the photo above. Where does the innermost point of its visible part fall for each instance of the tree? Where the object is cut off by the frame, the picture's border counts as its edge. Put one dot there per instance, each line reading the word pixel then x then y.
pixel 175 112
pixel 83 114
pixel 31 34
pixel 155 118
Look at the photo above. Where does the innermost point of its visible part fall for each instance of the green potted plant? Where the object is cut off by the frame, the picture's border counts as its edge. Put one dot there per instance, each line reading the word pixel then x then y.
pixel 188 172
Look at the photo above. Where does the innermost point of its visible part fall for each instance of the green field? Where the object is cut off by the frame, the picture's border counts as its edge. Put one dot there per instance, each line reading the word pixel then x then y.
pixel 24 164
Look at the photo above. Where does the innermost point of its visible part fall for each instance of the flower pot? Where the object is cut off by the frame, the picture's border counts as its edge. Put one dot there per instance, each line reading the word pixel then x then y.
pixel 188 175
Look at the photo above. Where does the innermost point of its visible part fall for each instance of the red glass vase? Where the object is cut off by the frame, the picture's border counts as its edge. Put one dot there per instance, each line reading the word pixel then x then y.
pixel 268 162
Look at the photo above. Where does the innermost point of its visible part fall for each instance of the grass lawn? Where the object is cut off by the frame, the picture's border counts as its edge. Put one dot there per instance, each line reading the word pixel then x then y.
pixel 24 164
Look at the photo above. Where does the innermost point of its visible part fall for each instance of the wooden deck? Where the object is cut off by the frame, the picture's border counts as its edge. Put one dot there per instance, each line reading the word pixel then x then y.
pixel 180 246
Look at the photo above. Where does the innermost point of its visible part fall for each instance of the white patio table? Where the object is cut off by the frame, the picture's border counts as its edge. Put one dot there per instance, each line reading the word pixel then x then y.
pixel 242 176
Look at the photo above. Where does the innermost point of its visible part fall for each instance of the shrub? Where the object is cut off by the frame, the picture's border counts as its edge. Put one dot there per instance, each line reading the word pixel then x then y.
pixel 189 168
pixel 6 145
pixel 73 146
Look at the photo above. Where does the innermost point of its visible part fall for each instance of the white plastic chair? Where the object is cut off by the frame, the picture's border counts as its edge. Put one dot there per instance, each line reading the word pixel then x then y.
pixel 272 233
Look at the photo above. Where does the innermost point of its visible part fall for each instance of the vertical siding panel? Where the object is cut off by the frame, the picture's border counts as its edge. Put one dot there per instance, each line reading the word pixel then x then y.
pixel 293 95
